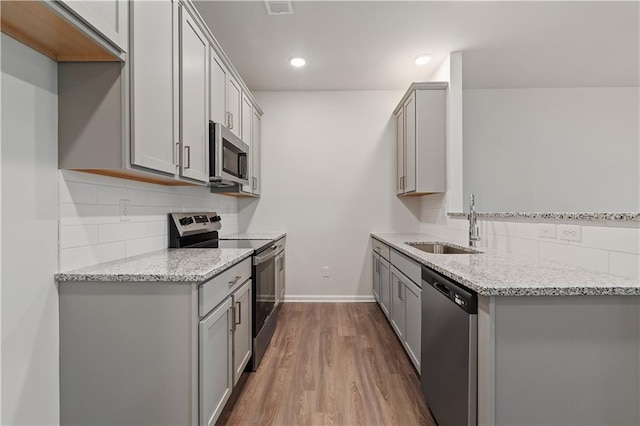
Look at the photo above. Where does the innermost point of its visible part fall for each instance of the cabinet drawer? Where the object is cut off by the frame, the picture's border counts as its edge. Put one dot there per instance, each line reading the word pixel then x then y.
pixel 214 291
pixel 407 266
pixel 381 248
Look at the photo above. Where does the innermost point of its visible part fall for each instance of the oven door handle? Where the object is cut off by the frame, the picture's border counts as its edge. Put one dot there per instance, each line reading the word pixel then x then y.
pixel 257 260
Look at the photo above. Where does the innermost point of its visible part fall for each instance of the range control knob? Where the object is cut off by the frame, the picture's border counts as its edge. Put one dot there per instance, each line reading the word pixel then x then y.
pixel 215 219
pixel 186 221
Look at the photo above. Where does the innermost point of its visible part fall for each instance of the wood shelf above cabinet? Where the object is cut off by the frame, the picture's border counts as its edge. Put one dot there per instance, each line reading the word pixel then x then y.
pixel 48 28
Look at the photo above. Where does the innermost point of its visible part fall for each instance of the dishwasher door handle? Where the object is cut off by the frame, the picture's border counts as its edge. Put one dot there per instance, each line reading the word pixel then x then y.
pixel 442 289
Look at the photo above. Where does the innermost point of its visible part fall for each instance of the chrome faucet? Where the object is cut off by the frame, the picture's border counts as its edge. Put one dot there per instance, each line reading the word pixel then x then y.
pixel 474 231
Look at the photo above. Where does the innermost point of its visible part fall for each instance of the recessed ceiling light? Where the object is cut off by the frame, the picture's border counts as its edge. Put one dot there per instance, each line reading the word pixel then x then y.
pixel 422 59
pixel 297 61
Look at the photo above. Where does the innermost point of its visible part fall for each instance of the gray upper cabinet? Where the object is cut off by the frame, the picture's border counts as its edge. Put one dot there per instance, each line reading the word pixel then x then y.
pixel 194 99
pixel 107 17
pixel 154 86
pixel 218 87
pixel 254 155
pixel 234 106
pixel 421 137
pixel 247 114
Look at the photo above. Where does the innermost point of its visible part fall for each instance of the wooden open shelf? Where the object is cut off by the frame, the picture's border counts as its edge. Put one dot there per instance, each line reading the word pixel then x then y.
pixel 37 25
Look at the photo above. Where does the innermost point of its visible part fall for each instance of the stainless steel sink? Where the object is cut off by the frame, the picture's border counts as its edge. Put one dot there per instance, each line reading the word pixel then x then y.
pixel 443 248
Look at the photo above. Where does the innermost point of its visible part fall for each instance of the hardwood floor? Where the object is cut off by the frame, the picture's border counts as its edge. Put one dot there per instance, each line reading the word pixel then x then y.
pixel 332 363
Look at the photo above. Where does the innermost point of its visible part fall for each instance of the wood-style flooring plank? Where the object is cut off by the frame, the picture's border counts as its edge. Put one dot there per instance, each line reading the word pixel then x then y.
pixel 332 364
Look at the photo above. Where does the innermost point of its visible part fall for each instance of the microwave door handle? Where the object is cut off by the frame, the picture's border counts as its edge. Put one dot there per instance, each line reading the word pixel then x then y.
pixel 242 165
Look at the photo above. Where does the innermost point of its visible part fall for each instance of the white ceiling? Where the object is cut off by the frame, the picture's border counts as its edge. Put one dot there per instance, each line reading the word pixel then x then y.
pixel 369 45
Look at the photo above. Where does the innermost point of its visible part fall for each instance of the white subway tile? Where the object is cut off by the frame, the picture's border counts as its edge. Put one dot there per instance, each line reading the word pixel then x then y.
pixel 625 240
pixel 78 236
pixel 78 193
pixel 121 231
pixel 79 257
pixel 507 229
pixel 524 247
pixel 527 230
pixel 625 265
pixel 157 228
pixel 164 199
pixel 582 257
pixel 88 214
pixel 112 195
pixel 145 245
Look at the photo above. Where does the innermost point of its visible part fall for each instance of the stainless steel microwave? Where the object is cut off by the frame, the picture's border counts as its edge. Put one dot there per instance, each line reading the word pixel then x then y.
pixel 227 158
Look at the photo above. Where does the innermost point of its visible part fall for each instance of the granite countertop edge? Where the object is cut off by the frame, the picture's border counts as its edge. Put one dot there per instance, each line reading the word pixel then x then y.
pixel 581 216
pixel 101 272
pixel 486 284
pixel 254 236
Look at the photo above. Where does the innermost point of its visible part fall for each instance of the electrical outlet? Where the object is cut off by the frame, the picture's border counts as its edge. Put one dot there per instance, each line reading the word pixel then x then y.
pixel 325 271
pixel 547 230
pixel 124 210
pixel 570 232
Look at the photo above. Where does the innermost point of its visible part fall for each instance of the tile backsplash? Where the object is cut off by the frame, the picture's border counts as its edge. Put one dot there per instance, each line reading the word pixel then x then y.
pixel 605 246
pixel 92 231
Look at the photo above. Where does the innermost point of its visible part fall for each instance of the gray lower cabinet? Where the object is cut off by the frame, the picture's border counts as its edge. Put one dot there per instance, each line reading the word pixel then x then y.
pixel 376 277
pixel 398 307
pixel 216 358
pixel 413 325
pixel 396 289
pixel 385 287
pixel 151 353
pixel 242 338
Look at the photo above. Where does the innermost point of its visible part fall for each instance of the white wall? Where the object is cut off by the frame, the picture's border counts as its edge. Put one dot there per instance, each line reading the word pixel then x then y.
pixel 328 181
pixel 30 379
pixel 560 149
pixel 91 231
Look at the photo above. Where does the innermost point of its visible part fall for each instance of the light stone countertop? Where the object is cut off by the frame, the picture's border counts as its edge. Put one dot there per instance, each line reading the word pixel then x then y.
pixel 168 265
pixel 254 236
pixel 496 273
pixel 581 216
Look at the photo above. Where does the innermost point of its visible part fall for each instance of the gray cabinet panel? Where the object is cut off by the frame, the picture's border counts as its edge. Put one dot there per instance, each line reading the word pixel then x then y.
pixel 385 288
pixel 216 352
pixel 154 123
pixel 413 322
pixel 398 308
pixel 376 277
pixel 108 17
pixel 194 83
pixel 242 338
pixel 218 87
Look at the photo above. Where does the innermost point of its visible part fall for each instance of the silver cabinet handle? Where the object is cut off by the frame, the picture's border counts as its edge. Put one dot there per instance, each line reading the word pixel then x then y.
pixel 177 154
pixel 255 183
pixel 377 266
pixel 187 150
pixel 235 280
pixel 230 120
pixel 402 182
pixel 233 323
pixel 239 313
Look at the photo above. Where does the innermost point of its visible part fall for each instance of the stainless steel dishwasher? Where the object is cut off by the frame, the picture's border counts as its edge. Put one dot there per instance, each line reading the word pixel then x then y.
pixel 449 349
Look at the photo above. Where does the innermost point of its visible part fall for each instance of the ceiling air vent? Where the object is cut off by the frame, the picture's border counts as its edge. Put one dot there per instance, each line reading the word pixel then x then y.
pixel 279 7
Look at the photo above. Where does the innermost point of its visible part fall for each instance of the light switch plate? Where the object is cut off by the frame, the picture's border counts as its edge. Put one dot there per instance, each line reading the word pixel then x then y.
pixel 547 230
pixel 570 232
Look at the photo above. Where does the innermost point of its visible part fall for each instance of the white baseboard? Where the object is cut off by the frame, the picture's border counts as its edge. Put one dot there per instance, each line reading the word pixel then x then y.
pixel 305 298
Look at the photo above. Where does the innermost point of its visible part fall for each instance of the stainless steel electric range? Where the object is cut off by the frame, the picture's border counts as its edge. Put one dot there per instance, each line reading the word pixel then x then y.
pixel 200 230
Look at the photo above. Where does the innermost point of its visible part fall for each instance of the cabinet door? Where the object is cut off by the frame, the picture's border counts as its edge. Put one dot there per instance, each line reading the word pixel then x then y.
pixel 194 62
pixel 400 171
pixel 398 309
pixel 242 339
pixel 154 85
pixel 255 153
pixel 216 350
pixel 247 114
pixel 385 287
pixel 376 277
pixel 217 88
pixel 413 324
pixel 234 102
pixel 410 143
pixel 108 17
